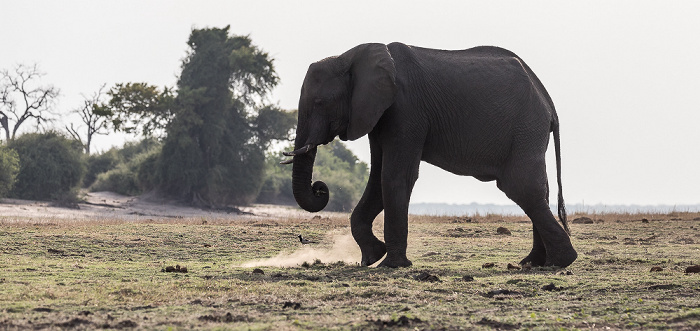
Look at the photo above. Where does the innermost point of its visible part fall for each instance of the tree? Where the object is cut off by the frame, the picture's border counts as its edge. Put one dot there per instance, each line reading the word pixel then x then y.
pixel 51 167
pixel 9 167
pixel 140 108
pixel 95 115
pixel 213 153
pixel 35 102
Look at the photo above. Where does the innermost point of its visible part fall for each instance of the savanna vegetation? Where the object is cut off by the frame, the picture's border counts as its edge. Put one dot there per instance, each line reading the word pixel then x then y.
pixel 211 141
pixel 188 274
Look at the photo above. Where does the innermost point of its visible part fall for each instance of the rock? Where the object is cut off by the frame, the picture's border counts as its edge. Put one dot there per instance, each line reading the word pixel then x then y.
pixel 503 230
pixel 513 267
pixel 430 254
pixel 488 265
pixel 468 278
pixel 655 269
pixel 693 269
pixel 258 271
pixel 582 220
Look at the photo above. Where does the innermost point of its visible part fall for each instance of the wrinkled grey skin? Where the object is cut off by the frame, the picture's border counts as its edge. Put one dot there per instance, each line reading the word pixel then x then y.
pixel 478 112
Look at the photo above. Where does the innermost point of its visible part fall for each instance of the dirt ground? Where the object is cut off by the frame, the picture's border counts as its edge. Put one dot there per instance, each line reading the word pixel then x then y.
pixel 109 205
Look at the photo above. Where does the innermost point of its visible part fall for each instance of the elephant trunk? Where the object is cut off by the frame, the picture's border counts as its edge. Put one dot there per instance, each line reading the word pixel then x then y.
pixel 312 198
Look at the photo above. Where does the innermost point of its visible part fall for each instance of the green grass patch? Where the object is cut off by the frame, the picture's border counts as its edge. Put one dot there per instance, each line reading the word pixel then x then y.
pixel 110 274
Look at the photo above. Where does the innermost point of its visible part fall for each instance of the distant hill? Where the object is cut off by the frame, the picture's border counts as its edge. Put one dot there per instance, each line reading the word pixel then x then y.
pixel 483 209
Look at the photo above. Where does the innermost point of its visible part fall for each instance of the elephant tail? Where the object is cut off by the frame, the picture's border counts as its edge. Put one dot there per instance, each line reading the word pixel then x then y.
pixel 561 208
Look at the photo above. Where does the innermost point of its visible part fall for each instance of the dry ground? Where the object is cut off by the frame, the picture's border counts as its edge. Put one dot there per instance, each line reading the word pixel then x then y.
pixel 70 269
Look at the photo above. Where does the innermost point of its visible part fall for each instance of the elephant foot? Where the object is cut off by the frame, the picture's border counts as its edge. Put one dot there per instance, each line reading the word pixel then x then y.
pixel 562 257
pixel 372 253
pixel 535 259
pixel 396 262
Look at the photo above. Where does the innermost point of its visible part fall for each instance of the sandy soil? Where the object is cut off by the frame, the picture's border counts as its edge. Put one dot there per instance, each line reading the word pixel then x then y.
pixel 108 205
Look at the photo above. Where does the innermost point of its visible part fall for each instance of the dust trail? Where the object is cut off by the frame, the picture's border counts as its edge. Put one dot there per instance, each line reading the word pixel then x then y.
pixel 343 249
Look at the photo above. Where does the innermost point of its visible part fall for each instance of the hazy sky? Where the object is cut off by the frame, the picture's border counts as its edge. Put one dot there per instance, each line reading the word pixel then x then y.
pixel 624 75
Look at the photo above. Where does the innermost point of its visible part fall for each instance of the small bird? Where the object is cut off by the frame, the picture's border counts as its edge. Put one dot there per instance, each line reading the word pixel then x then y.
pixel 304 241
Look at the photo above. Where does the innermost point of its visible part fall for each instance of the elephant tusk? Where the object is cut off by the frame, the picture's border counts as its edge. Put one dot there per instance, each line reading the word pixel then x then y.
pixel 287 161
pixel 299 151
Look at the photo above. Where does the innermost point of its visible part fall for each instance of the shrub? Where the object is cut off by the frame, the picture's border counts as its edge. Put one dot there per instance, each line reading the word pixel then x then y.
pixel 130 178
pixel 111 159
pixel 100 163
pixel 9 167
pixel 51 167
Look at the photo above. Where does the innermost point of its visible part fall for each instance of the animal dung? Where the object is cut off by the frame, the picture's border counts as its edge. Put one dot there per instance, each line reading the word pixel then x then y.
pixel 551 287
pixel 503 230
pixel 693 269
pixel 176 268
pixel 513 267
pixel 656 269
pixel 583 220
pixel 258 271
pixel 488 265
pixel 291 304
pixel 426 277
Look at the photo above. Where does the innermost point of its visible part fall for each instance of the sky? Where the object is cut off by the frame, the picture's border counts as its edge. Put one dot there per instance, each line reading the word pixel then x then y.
pixel 624 75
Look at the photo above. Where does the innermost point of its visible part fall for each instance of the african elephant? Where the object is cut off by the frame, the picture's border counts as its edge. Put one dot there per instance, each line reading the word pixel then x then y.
pixel 479 112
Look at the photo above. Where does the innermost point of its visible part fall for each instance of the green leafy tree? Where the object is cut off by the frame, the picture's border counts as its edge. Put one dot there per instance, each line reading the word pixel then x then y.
pixel 140 108
pixel 213 154
pixel 52 167
pixel 9 167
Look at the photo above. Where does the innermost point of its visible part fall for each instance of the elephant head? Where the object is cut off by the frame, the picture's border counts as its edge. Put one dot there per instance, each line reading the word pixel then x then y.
pixel 341 96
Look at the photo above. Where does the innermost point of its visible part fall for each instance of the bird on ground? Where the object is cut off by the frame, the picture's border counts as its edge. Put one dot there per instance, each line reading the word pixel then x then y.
pixel 304 241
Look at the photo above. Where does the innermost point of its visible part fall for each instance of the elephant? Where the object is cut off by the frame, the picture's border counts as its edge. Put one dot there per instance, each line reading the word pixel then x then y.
pixel 477 112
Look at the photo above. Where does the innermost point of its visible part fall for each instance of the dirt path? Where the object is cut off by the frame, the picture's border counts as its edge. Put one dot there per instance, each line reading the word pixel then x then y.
pixel 108 205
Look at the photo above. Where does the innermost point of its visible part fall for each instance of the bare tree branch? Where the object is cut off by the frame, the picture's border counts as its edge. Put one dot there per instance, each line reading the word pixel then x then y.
pixel 96 116
pixel 37 101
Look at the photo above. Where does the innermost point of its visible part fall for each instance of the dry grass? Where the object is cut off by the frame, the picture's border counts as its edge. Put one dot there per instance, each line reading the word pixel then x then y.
pixel 97 273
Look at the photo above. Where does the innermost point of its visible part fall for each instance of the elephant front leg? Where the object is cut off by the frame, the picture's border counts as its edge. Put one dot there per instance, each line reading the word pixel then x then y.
pixel 397 185
pixel 361 220
pixel 366 211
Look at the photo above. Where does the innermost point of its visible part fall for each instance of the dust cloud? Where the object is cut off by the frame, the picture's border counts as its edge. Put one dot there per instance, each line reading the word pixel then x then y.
pixel 343 249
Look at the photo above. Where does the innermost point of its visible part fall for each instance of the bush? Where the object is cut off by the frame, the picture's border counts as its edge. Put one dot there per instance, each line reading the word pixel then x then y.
pixel 130 178
pixel 111 159
pixel 277 184
pixel 345 176
pixel 100 163
pixel 51 167
pixel 9 167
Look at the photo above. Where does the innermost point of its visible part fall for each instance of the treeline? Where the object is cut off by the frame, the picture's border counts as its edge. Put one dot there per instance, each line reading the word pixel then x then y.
pixel 207 141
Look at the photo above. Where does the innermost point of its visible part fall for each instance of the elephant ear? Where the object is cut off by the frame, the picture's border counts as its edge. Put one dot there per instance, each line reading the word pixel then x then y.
pixel 373 77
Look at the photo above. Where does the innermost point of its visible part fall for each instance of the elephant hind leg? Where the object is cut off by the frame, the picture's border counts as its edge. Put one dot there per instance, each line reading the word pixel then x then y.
pixel 526 185
pixel 538 254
